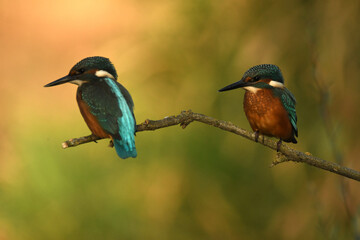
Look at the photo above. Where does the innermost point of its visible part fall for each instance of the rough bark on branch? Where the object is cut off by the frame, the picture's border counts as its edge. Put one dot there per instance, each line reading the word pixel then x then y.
pixel 186 117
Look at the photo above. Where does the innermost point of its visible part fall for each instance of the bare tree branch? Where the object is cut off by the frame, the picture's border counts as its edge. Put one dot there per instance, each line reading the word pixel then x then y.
pixel 285 153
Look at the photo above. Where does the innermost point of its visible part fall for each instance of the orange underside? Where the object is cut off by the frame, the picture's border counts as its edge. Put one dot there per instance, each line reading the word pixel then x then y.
pixel 90 119
pixel 267 115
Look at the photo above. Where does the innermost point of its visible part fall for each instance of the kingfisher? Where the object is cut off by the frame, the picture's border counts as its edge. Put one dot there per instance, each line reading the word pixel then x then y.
pixel 269 106
pixel 106 106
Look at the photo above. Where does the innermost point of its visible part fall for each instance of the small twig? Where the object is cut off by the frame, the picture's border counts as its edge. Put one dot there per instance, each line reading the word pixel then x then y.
pixel 81 140
pixel 280 158
pixel 186 117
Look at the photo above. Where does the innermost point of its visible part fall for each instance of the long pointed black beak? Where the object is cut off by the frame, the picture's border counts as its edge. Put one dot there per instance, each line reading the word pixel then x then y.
pixel 235 85
pixel 62 80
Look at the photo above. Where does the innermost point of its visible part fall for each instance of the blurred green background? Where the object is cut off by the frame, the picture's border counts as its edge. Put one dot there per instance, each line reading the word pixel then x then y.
pixel 197 183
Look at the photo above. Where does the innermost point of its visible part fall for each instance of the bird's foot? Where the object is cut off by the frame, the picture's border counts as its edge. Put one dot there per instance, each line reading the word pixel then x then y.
pixel 256 136
pixel 111 143
pixel 278 145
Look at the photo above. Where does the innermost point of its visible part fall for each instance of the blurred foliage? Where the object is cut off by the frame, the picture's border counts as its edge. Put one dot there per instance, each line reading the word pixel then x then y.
pixel 198 183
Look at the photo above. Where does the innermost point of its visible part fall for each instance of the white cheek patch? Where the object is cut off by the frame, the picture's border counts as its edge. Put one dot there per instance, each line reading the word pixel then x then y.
pixel 103 73
pixel 251 89
pixel 276 84
pixel 77 82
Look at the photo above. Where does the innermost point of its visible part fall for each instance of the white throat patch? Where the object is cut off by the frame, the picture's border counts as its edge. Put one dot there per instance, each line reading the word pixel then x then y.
pixel 78 82
pixel 251 89
pixel 276 84
pixel 103 73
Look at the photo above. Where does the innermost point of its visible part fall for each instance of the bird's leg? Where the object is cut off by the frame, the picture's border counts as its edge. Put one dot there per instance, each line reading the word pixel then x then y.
pixel 111 143
pixel 278 145
pixel 256 135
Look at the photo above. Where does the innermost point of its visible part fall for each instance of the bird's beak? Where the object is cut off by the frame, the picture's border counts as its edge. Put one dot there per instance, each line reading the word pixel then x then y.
pixel 239 84
pixel 62 80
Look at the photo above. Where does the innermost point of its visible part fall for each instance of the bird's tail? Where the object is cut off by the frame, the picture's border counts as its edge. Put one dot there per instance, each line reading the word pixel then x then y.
pixel 125 149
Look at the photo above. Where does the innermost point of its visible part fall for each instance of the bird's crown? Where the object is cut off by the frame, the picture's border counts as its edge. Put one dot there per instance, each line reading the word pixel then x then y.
pixel 101 67
pixel 264 71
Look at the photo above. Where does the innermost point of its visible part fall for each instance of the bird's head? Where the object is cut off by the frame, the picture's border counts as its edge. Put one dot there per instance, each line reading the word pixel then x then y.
pixel 258 77
pixel 87 70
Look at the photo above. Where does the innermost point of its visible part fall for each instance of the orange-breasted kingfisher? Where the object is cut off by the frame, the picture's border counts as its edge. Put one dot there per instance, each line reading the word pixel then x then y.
pixel 105 104
pixel 269 106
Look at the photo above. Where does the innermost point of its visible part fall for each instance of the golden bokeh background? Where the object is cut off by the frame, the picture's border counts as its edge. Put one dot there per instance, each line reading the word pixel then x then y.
pixel 197 183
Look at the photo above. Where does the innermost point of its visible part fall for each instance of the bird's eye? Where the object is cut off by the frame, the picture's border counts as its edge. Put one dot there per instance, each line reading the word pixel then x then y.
pixel 256 78
pixel 81 71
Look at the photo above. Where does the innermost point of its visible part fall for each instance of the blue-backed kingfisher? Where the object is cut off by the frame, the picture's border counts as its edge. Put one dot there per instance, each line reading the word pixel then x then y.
pixel 269 106
pixel 105 104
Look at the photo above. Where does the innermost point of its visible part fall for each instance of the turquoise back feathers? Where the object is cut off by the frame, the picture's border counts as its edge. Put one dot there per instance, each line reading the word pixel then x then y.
pixel 125 146
pixel 112 106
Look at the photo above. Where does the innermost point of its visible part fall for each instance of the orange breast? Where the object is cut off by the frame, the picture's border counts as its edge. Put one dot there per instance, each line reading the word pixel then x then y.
pixel 90 119
pixel 267 115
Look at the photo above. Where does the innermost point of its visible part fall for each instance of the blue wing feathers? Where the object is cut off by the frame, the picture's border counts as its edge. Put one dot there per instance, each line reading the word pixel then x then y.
pixel 288 100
